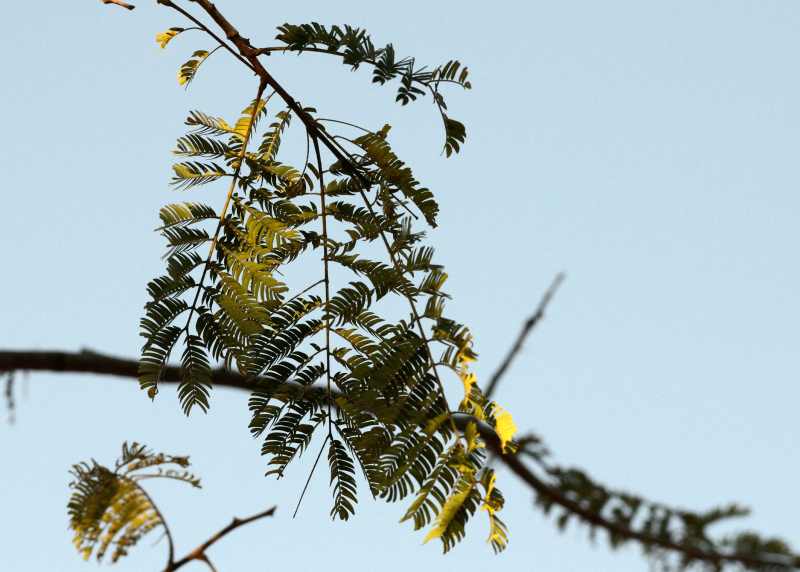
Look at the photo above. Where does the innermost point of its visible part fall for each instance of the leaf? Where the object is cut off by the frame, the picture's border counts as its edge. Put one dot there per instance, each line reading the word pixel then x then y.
pixel 190 174
pixel 343 481
pixel 163 38
pixel 356 48
pixel 492 503
pixel 449 513
pixel 188 70
pixel 504 426
pixel 455 135
pixel 193 390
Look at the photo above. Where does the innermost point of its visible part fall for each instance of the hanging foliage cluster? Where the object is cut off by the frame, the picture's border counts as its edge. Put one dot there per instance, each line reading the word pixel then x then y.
pixel 333 355
pixel 109 510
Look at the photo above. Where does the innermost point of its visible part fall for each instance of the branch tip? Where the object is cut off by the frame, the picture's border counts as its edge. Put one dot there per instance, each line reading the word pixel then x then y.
pixel 119 3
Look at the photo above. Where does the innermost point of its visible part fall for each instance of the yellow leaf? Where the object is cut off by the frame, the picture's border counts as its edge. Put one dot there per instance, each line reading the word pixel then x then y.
pixel 468 379
pixel 164 37
pixel 489 488
pixel 471 436
pixel 189 69
pixel 504 426
pixel 448 512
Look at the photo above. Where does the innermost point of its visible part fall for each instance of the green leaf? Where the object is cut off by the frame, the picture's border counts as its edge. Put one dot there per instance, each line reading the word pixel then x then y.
pixel 343 481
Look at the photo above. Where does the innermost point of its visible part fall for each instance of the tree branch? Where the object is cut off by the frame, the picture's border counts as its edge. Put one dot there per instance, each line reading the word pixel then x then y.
pixel 529 324
pixel 91 362
pixel 199 553
pixel 119 3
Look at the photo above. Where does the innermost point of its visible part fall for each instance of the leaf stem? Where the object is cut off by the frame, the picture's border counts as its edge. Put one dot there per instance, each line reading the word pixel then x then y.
pixel 313 468
pixel 325 255
pixel 167 532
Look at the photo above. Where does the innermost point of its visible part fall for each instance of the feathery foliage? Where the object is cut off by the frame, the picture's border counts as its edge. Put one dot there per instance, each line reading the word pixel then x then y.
pixel 331 353
pixel 356 48
pixel 109 510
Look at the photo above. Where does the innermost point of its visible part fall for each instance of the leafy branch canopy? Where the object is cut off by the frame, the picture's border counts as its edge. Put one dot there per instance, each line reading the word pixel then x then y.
pixel 335 356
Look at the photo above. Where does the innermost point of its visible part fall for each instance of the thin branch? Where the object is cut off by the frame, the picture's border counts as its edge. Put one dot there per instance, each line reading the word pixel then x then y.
pixel 306 289
pixel 199 553
pixel 529 324
pixel 344 123
pixel 119 3
pixel 167 532
pixel 311 474
pixel 325 255
pixel 208 562
pixel 594 518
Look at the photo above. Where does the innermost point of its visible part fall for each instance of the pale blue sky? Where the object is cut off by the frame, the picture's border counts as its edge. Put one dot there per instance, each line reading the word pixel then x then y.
pixel 648 149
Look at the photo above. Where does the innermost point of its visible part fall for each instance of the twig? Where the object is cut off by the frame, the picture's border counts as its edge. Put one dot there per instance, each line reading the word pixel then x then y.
pixel 208 562
pixel 119 3
pixel 326 256
pixel 199 553
pixel 529 324
pixel 311 474
pixel 167 532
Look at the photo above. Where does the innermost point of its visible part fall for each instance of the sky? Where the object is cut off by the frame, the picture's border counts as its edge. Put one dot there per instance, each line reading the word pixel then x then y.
pixel 646 149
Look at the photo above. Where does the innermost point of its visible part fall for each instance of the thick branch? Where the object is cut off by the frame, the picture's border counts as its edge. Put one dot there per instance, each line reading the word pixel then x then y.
pixel 91 362
pixel 87 361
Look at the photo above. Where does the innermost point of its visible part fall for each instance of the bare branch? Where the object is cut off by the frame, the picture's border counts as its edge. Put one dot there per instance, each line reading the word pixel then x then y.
pixel 529 324
pixel 119 3
pixel 199 553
